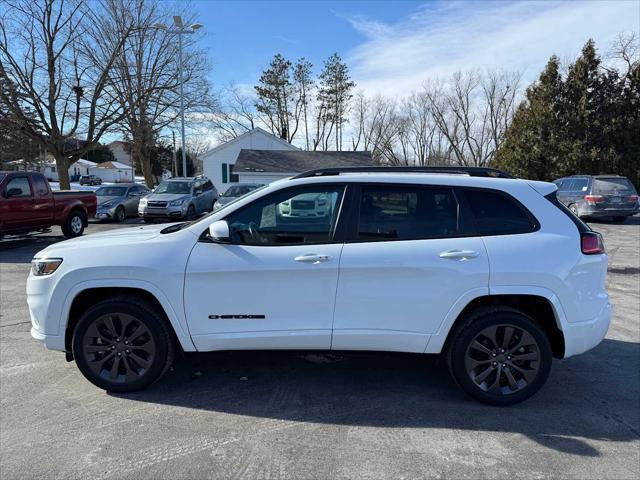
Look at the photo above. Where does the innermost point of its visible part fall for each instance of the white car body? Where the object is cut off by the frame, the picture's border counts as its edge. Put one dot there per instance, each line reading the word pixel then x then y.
pixel 388 295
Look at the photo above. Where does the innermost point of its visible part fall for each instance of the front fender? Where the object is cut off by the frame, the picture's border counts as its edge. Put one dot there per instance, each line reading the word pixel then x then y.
pixel 178 322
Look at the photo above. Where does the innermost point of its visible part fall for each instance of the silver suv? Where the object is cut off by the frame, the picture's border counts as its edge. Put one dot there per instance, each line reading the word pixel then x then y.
pixel 179 198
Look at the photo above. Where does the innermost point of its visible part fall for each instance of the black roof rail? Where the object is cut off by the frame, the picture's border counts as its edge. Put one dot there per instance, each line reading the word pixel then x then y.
pixel 471 171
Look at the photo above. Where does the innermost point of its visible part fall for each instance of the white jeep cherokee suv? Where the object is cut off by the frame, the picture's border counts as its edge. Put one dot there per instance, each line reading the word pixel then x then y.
pixel 492 272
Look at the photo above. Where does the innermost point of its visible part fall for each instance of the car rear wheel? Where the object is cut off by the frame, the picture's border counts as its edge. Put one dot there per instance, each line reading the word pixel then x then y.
pixel 500 356
pixel 74 225
pixel 574 209
pixel 119 216
pixel 122 345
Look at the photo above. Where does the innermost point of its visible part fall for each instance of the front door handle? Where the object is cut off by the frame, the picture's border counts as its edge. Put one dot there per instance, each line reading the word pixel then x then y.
pixel 459 254
pixel 312 258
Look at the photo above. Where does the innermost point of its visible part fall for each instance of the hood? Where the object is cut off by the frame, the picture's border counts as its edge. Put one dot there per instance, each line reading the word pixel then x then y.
pixel 102 200
pixel 167 197
pixel 225 200
pixel 106 240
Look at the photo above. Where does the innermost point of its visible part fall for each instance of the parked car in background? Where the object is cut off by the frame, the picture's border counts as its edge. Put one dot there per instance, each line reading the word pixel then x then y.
pixel 179 198
pixel 117 202
pixel 90 180
pixel 597 196
pixel 27 204
pixel 493 273
pixel 234 192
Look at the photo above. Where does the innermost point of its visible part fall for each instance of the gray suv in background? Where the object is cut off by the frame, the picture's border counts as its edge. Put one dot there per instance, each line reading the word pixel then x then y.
pixel 117 202
pixel 597 196
pixel 179 198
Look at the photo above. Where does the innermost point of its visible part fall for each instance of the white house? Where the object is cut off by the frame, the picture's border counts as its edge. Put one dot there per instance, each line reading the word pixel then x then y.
pixel 218 163
pixel 120 151
pixel 81 167
pixel 115 172
pixel 266 166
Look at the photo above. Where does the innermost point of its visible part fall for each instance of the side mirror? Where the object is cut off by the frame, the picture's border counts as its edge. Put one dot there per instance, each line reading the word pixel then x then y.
pixel 13 192
pixel 219 231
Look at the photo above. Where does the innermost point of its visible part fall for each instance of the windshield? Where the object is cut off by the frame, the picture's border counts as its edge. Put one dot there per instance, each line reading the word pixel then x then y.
pixel 239 190
pixel 173 187
pixel 111 191
pixel 613 185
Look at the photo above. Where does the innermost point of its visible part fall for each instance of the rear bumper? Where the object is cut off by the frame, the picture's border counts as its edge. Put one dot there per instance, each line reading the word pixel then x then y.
pixel 582 336
pixel 595 211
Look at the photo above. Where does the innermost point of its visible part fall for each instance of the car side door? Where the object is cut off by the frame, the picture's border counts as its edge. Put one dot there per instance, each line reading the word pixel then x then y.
pixel 273 284
pixel 18 204
pixel 43 204
pixel 407 261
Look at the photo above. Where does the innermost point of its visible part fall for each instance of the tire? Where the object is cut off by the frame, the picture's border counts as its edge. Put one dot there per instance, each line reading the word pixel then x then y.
pixel 499 379
pixel 191 212
pixel 132 360
pixel 120 215
pixel 620 219
pixel 574 209
pixel 74 224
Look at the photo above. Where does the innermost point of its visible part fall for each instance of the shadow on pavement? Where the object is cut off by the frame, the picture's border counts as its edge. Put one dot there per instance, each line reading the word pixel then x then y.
pixel 593 396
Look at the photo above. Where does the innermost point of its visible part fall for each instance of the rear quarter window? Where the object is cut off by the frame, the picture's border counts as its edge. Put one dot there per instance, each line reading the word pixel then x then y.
pixel 497 213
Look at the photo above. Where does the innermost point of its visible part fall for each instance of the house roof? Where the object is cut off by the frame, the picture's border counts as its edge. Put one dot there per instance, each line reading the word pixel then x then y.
pixel 80 161
pixel 296 161
pixel 119 165
pixel 284 143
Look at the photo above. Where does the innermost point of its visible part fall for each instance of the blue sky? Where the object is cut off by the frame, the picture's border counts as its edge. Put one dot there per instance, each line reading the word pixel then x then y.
pixel 393 47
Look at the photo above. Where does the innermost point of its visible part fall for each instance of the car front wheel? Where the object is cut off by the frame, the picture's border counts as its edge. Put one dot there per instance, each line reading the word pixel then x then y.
pixel 500 356
pixel 122 345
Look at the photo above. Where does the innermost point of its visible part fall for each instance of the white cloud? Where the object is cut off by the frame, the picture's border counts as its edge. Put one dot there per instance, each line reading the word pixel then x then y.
pixel 441 38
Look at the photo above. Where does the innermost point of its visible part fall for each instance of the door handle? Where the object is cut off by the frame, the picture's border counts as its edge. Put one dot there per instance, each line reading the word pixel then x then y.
pixel 312 258
pixel 459 254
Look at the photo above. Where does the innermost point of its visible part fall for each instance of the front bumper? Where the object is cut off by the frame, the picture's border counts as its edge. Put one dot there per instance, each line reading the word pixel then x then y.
pixel 582 336
pixel 179 211
pixel 105 213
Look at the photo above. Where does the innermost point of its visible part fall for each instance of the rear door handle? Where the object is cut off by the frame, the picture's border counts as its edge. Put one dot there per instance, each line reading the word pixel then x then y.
pixel 459 254
pixel 312 258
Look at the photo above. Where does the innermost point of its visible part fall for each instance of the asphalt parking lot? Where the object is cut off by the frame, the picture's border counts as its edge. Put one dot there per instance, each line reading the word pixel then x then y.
pixel 287 414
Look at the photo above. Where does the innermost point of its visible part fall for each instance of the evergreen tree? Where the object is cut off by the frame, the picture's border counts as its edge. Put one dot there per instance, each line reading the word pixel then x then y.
pixel 586 123
pixel 274 96
pixel 334 94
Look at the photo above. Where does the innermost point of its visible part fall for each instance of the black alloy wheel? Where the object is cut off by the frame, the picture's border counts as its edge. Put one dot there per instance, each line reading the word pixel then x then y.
pixel 122 344
pixel 501 358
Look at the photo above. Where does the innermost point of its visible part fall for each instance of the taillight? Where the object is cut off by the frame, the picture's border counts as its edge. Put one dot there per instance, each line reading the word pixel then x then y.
pixel 632 198
pixel 591 243
pixel 594 198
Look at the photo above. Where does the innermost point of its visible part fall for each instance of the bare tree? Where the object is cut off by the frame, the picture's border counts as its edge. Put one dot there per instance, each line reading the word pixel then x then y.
pixel 55 67
pixel 234 116
pixel 473 111
pixel 146 76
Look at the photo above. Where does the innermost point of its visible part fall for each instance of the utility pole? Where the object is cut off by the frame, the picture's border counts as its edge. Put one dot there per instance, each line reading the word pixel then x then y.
pixel 175 161
pixel 180 30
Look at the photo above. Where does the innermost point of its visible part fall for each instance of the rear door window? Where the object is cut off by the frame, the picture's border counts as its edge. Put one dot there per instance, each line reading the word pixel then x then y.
pixel 580 184
pixel 407 212
pixel 40 184
pixel 496 213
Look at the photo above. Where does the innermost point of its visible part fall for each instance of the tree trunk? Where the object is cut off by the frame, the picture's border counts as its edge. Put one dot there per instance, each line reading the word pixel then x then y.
pixel 62 166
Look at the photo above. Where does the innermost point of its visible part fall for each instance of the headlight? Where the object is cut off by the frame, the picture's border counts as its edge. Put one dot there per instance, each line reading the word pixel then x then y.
pixel 143 201
pixel 176 203
pixel 108 204
pixel 217 206
pixel 44 266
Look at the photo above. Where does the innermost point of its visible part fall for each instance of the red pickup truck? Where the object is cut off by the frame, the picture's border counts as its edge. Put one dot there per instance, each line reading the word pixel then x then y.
pixel 28 204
